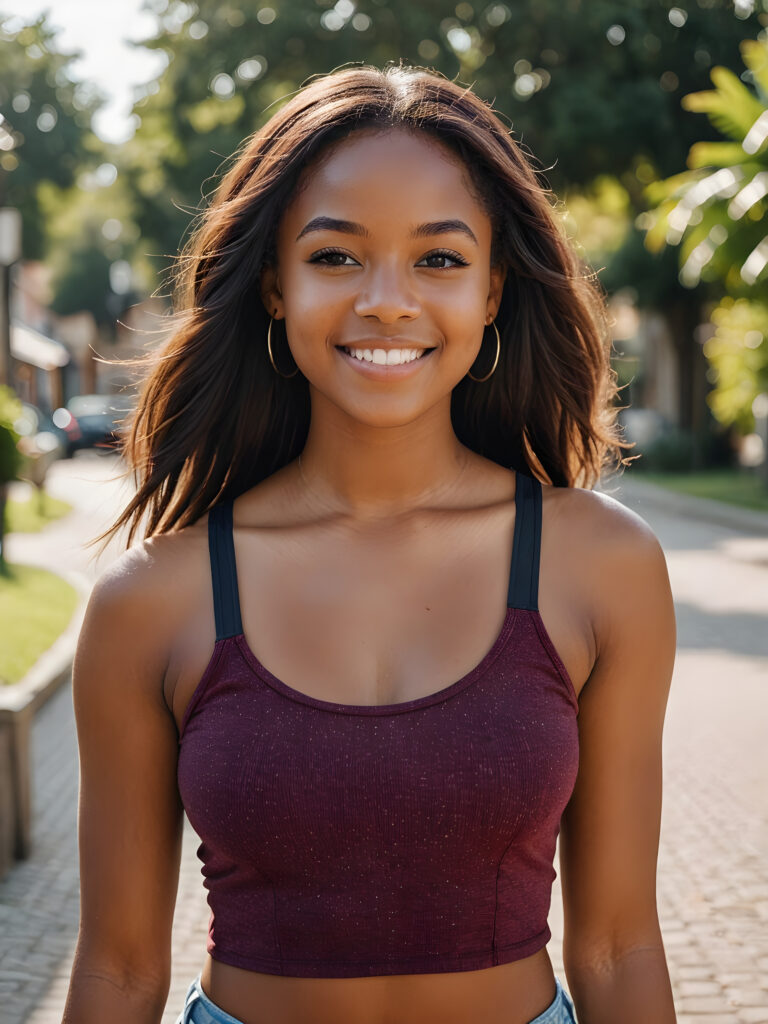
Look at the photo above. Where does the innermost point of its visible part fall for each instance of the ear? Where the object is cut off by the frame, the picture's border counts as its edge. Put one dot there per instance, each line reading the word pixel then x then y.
pixel 271 295
pixel 498 277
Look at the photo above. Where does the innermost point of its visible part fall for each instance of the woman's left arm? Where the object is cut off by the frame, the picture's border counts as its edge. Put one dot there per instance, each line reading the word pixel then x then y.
pixel 613 951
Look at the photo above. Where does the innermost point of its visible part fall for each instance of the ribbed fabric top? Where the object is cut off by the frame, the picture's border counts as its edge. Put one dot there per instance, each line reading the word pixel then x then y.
pixel 343 840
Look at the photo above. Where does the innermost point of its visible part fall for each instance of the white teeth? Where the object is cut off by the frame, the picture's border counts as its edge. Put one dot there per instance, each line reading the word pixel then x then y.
pixel 391 357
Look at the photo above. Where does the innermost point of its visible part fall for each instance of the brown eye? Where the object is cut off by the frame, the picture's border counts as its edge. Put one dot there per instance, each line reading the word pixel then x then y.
pixel 323 256
pixel 446 254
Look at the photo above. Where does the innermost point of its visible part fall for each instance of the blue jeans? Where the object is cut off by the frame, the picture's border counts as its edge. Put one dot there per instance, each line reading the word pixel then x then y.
pixel 199 1009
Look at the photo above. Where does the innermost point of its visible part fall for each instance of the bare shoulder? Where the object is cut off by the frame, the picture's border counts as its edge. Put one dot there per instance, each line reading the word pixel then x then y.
pixel 614 553
pixel 151 570
pixel 141 598
pixel 600 521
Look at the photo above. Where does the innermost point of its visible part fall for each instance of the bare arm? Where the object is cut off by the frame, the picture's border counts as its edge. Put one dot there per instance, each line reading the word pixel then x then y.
pixel 613 950
pixel 130 816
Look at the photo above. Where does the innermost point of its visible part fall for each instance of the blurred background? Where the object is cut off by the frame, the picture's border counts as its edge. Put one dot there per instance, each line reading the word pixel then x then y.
pixel 649 121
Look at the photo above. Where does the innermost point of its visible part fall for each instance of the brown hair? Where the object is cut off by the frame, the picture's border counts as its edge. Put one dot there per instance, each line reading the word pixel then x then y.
pixel 213 418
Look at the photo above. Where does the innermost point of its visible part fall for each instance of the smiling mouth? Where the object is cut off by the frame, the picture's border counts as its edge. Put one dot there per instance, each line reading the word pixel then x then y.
pixel 386 357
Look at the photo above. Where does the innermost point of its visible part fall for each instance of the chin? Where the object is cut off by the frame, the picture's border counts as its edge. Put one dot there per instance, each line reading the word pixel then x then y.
pixel 385 414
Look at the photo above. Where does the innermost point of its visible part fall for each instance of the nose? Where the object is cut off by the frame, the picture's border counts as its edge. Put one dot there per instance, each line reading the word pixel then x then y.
pixel 387 292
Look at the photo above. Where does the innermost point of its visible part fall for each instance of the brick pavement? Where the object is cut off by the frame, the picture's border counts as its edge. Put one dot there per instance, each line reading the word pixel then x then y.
pixel 712 878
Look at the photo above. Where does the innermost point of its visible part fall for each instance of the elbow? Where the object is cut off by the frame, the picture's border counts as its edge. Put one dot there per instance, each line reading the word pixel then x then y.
pixel 136 978
pixel 600 954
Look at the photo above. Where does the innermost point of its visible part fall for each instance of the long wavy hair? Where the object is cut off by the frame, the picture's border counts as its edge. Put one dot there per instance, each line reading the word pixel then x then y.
pixel 213 418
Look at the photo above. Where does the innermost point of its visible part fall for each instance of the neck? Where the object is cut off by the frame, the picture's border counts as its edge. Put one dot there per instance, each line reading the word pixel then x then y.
pixel 374 472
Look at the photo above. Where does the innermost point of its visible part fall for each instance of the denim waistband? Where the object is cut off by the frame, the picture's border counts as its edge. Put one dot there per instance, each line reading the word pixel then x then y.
pixel 199 1009
pixel 559 1011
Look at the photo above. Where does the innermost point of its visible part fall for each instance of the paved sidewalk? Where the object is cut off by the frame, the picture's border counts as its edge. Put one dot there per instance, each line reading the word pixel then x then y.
pixel 712 875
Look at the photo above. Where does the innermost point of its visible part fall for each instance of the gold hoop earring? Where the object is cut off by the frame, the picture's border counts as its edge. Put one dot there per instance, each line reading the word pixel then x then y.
pixel 271 358
pixel 496 360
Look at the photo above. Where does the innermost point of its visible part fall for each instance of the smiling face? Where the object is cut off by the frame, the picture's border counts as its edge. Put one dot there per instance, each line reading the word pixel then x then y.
pixel 384 252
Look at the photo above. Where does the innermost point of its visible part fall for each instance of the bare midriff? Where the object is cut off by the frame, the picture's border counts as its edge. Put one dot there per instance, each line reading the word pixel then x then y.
pixel 512 993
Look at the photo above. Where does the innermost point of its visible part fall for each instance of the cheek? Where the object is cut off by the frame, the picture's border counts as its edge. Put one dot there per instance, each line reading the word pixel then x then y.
pixel 314 302
pixel 459 311
pixel 463 291
pixel 311 311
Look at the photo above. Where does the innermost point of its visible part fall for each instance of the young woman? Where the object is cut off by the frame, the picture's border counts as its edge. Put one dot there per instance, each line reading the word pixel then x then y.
pixel 382 640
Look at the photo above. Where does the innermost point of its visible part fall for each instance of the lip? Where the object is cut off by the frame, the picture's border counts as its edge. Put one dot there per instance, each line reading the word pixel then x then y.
pixel 381 371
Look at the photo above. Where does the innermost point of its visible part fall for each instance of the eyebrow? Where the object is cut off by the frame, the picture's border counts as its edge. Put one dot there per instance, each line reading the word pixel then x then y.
pixel 349 227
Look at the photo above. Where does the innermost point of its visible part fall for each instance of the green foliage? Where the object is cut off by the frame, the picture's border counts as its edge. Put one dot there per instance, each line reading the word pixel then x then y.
pixel 45 120
pixel 591 87
pixel 738 354
pixel 730 107
pixel 754 56
pixel 598 217
pixel 11 459
pixel 35 608
pixel 90 228
pixel 35 512
pixel 716 214
pixel 715 211
pixel 59 175
pixel 653 278
pixel 736 486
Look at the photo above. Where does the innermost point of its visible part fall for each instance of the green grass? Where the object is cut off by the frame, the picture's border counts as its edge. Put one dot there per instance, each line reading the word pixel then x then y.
pixel 35 608
pixel 734 486
pixel 29 517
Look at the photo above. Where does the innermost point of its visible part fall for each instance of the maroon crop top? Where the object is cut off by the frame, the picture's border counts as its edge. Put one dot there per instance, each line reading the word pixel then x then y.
pixel 344 840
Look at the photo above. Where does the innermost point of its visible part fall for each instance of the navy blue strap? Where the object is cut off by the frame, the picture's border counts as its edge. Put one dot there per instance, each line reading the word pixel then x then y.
pixel 526 544
pixel 226 598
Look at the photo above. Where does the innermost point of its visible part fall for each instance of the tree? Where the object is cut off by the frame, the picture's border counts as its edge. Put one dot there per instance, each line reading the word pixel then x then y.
pixel 92 247
pixel 77 215
pixel 45 121
pixel 591 87
pixel 715 214
pixel 11 459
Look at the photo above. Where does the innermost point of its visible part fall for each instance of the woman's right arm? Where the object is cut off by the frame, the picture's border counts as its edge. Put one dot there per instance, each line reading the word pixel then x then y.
pixel 129 815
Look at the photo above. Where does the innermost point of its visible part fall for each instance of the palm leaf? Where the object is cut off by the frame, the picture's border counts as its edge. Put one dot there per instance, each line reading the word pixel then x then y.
pixel 755 56
pixel 715 154
pixel 730 107
pixel 673 187
pixel 656 235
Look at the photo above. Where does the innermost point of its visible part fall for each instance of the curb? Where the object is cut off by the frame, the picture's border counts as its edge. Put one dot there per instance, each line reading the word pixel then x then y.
pixel 18 704
pixel 709 510
pixel 53 666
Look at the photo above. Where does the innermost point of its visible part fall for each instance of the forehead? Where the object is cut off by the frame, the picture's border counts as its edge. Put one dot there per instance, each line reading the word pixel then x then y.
pixel 391 175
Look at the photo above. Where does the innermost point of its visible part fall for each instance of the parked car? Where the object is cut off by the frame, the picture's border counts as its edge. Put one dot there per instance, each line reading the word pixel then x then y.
pixel 99 418
pixel 41 442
